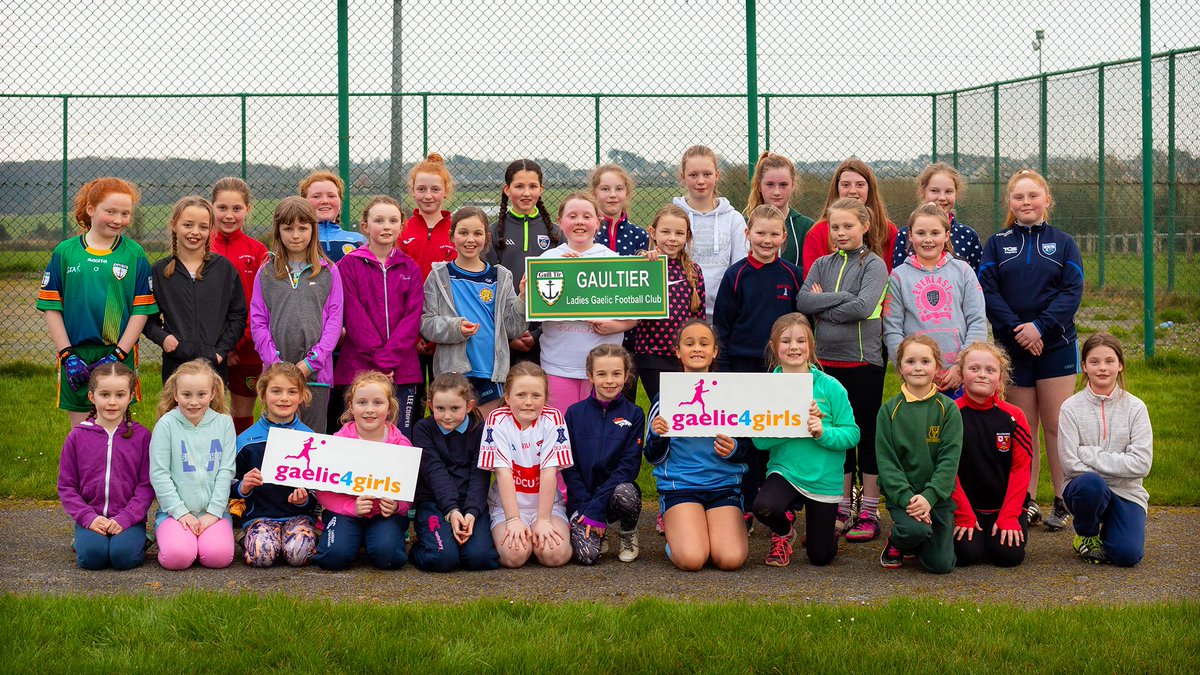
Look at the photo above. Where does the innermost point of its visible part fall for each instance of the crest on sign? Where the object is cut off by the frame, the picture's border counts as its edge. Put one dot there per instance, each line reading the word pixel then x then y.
pixel 550 286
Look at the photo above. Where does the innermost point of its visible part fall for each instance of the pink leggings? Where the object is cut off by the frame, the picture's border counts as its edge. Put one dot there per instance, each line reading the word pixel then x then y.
pixel 567 391
pixel 178 548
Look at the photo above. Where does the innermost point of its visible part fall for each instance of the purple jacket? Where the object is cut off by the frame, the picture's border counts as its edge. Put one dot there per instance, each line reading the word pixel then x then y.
pixel 102 475
pixel 299 321
pixel 382 316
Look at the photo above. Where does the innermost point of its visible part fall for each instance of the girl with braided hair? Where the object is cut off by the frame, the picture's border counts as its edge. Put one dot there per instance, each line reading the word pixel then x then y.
pixel 523 230
pixel 202 312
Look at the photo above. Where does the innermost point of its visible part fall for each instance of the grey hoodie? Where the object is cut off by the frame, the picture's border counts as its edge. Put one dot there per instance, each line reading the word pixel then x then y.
pixel 718 241
pixel 1109 435
pixel 847 310
pixel 440 322
pixel 945 303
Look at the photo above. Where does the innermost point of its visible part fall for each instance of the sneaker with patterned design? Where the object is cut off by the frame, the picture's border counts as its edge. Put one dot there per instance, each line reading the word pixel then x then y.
pixel 843 522
pixel 629 546
pixel 866 527
pixel 891 558
pixel 1090 549
pixel 781 549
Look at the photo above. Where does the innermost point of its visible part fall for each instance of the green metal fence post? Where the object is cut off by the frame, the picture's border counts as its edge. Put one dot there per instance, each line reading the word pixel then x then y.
pixel 243 136
pixel 596 117
pixel 1147 186
pixel 1042 126
pixel 1171 182
pixel 766 123
pixel 954 127
pixel 751 85
pixel 1102 224
pixel 343 61
pixel 424 125
pixel 66 195
pixel 933 156
pixel 996 156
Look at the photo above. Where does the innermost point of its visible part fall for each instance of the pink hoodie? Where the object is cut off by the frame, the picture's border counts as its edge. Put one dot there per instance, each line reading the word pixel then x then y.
pixel 343 504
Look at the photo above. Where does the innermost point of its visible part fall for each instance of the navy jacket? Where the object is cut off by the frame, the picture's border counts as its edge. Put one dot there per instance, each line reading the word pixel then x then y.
pixel 607 444
pixel 752 296
pixel 266 501
pixel 1032 274
pixel 449 468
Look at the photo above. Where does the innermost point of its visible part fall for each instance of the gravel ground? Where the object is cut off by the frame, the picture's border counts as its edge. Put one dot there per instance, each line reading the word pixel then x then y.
pixel 37 558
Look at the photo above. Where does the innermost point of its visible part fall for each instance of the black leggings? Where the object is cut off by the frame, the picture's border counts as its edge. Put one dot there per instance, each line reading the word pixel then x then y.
pixel 985 545
pixel 650 367
pixel 777 497
pixel 864 387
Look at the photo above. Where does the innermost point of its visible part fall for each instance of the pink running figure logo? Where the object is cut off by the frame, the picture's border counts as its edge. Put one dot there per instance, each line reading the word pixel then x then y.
pixel 434 524
pixel 698 397
pixel 303 454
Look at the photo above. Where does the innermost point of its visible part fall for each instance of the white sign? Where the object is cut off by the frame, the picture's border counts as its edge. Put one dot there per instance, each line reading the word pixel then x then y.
pixel 337 464
pixel 736 404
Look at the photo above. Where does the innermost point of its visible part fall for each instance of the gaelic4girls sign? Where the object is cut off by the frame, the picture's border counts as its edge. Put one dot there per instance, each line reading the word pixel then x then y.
pixel 736 404
pixel 579 289
pixel 339 464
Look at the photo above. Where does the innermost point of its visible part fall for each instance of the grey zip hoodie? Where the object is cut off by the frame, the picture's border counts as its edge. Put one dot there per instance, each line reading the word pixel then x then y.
pixel 441 323
pixel 718 241
pixel 1108 435
pixel 847 328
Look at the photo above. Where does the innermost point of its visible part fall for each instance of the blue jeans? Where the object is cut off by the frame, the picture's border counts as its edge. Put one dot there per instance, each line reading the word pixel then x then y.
pixel 345 535
pixel 1120 523
pixel 123 551
pixel 437 551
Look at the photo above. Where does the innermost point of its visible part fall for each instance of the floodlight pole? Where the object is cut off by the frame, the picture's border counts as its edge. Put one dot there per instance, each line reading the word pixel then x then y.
pixel 1147 188
pixel 343 60
pixel 751 86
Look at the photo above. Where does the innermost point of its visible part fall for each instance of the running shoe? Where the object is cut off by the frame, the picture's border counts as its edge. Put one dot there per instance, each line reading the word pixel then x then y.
pixel 781 549
pixel 1059 515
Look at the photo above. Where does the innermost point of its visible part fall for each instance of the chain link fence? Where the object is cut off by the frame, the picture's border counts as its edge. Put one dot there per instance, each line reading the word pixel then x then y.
pixel 174 96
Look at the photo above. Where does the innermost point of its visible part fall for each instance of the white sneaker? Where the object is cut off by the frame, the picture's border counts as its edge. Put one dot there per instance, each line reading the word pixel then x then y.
pixel 629 546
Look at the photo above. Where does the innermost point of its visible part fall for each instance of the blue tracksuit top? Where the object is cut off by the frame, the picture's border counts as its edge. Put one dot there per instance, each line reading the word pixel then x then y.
pixel 265 501
pixel 1032 274
pixel 692 464
pixel 751 297
pixel 607 443
pixel 336 242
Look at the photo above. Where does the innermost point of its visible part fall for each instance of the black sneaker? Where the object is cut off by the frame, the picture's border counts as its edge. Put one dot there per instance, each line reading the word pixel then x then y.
pixel 891 557
pixel 1033 511
pixel 1058 516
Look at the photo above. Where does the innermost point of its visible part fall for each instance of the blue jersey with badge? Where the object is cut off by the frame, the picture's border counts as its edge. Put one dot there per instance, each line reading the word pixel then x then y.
pixel 336 242
pixel 1032 274
pixel 475 299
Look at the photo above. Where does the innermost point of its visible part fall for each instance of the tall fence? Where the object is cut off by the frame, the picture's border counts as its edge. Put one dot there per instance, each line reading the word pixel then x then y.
pixel 272 91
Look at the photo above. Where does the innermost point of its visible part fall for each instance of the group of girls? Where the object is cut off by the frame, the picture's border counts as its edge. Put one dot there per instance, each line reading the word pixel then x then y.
pixel 335 334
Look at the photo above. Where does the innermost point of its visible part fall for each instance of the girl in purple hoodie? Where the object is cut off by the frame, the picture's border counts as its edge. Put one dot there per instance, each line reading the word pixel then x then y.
pixel 104 475
pixel 296 307
pixel 384 295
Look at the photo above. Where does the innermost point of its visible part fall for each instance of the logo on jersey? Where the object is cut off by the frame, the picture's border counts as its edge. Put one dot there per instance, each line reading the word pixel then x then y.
pixel 485 295
pixel 1010 250
pixel 1003 442
pixel 347 248
pixel 781 292
pixel 119 271
pixel 934 296
pixel 550 286
pixel 1050 248
pixel 935 434
pixel 562 435
pixel 489 436
pixel 150 284
pixel 45 279
pixel 543 241
pixel 622 422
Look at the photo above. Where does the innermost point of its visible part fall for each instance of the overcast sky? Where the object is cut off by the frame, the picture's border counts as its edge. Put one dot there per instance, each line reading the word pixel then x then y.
pixel 562 46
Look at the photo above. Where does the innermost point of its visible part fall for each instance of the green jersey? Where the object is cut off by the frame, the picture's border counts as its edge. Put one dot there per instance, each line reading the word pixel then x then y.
pixel 96 290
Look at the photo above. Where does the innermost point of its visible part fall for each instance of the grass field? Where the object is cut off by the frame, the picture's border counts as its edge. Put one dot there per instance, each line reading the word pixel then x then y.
pixel 30 448
pixel 215 632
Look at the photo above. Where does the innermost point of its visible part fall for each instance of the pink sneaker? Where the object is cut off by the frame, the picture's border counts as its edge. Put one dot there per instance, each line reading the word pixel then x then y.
pixel 866 527
pixel 658 526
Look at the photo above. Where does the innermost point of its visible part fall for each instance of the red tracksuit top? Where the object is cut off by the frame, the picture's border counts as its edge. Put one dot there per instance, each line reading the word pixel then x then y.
pixel 427 246
pixel 247 255
pixel 993 471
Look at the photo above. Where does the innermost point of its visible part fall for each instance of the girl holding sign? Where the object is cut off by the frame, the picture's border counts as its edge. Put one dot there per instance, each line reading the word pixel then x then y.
pixel 699 479
pixel 565 344
pixel 525 444
pixel 805 471
pixel 352 522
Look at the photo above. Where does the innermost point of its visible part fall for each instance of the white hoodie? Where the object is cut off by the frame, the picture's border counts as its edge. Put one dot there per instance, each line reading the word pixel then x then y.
pixel 718 241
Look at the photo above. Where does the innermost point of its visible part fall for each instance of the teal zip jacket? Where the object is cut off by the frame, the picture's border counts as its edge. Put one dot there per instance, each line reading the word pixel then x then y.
pixel 848 327
pixel 192 465
pixel 814 465
pixel 918 443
